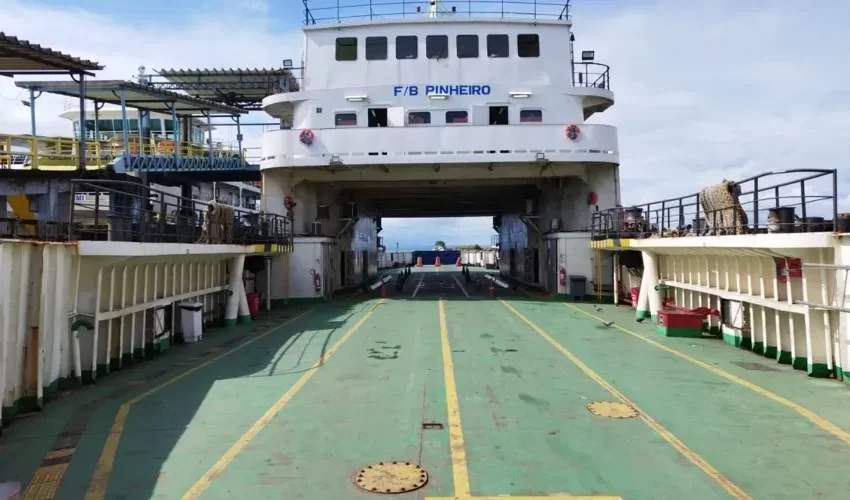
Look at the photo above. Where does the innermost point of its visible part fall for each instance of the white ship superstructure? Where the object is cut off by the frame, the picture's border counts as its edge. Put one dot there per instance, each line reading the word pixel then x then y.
pixel 440 113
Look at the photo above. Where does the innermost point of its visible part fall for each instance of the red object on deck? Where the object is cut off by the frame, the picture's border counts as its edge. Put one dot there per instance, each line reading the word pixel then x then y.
pixel 676 319
pixel 418 261
pixel 437 262
pixel 253 303
pixel 459 262
pixel 635 295
pixel 384 291
pixel 701 311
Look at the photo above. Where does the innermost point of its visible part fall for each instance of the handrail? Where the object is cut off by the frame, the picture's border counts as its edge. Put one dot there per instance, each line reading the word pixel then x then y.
pixel 26 152
pixel 129 211
pixel 807 202
pixel 591 74
pixel 347 10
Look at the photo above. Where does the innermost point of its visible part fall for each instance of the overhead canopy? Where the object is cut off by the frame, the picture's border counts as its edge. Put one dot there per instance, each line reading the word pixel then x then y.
pixel 19 57
pixel 238 87
pixel 136 96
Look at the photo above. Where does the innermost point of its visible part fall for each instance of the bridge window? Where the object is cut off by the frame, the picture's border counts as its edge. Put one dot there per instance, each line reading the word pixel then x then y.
pixel 346 48
pixel 528 45
pixel 406 47
pixel 437 46
pixel 418 118
pixel 530 116
pixel 497 46
pixel 376 48
pixel 378 117
pixel 498 115
pixel 456 117
pixel 467 46
pixel 345 119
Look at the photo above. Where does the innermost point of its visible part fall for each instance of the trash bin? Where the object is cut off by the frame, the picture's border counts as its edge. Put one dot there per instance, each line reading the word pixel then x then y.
pixel 191 321
pixel 578 287
pixel 253 303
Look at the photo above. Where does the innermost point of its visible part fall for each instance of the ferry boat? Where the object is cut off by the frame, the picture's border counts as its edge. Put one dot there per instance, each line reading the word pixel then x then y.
pixel 443 381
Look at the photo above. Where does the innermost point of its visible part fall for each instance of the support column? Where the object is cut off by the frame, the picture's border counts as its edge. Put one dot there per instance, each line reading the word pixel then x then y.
pixel 32 114
pixel 244 312
pixel 617 290
pixel 649 301
pixel 237 267
pixel 82 151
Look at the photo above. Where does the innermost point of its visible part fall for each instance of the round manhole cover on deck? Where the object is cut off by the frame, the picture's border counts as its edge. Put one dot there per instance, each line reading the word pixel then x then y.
pixel 612 409
pixel 391 477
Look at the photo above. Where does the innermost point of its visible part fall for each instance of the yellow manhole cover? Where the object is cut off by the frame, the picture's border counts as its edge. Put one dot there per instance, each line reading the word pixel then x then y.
pixel 391 477
pixel 612 409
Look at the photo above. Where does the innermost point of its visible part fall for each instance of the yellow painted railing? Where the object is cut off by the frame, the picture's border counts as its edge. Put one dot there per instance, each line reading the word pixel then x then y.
pixel 25 152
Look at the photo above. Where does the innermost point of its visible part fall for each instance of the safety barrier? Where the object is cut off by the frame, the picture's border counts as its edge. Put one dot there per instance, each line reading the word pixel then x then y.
pixel 798 200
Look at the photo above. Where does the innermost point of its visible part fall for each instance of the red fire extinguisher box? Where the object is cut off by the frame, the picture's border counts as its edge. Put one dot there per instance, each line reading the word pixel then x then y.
pixel 253 303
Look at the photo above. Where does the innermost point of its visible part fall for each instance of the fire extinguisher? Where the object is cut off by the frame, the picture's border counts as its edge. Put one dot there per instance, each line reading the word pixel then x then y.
pixel 562 276
pixel 317 280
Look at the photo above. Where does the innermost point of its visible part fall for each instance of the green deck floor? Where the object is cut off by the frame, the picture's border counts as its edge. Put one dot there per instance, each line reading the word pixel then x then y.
pixel 522 408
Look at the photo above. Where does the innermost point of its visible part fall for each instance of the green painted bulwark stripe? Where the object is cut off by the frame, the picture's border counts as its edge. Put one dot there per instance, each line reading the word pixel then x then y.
pixel 819 370
pixel 642 314
pixel 678 332
pixel 732 339
pixel 102 370
pixel 800 363
pixel 784 357
pixel 230 322
pixel 245 318
pixel 770 351
pixel 758 347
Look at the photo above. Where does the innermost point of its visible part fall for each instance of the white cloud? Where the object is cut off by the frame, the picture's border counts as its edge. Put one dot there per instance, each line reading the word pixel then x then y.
pixel 705 90
pixel 206 41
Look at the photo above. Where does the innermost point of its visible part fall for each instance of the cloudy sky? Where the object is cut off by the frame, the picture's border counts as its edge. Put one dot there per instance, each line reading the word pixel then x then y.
pixel 705 90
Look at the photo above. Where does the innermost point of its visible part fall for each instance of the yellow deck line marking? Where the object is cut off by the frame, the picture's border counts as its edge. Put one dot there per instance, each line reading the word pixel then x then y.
pixel 218 467
pixel 456 445
pixel 812 416
pixel 508 497
pixel 667 435
pixel 106 462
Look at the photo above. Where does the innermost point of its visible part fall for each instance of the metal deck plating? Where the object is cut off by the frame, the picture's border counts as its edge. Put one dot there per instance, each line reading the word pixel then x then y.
pixel 294 403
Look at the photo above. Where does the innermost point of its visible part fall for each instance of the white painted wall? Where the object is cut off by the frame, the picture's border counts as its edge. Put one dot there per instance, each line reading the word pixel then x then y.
pixel 440 144
pixel 389 259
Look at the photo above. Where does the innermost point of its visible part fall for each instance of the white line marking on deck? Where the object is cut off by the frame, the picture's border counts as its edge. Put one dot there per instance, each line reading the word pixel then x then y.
pixel 462 289
pixel 418 285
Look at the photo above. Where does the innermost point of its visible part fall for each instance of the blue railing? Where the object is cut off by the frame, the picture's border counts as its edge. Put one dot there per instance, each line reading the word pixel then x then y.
pixel 326 11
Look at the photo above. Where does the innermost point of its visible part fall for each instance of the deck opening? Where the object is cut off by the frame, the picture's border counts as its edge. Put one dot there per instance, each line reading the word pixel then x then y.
pixel 432 425
pixel 612 409
pixel 395 477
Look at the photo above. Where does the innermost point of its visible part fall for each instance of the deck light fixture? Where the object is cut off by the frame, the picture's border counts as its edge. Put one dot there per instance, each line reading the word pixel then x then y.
pixel 587 55
pixel 438 97
pixel 540 156
pixel 355 98
pixel 520 95
pixel 335 160
pixel 287 63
